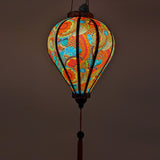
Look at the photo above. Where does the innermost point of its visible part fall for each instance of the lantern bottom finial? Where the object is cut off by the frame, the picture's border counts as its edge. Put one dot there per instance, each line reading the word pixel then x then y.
pixel 81 99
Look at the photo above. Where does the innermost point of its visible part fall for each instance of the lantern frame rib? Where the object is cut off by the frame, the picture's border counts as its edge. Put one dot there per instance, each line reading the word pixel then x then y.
pixel 56 37
pixel 104 65
pixel 77 54
pixel 95 54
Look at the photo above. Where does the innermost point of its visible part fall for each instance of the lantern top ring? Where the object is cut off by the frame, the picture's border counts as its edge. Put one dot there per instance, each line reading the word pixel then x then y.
pixel 80 14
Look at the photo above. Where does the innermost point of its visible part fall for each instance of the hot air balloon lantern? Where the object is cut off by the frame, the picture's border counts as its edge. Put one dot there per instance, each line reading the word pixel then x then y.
pixel 81 47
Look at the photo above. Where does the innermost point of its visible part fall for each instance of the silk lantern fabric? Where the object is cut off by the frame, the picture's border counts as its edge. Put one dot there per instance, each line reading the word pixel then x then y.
pixel 81 48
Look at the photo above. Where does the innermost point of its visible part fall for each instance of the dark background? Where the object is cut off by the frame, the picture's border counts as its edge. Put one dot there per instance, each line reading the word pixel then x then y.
pixel 38 117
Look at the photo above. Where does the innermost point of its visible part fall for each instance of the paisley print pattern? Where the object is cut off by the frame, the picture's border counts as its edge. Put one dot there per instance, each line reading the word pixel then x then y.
pixel 66 45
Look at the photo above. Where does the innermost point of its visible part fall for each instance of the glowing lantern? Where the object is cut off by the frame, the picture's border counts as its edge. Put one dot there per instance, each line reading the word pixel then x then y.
pixel 81 47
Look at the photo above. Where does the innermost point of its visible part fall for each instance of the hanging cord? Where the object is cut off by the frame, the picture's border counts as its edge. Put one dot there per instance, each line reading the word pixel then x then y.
pixel 87 2
pixel 80 136
pixel 71 5
pixel 80 119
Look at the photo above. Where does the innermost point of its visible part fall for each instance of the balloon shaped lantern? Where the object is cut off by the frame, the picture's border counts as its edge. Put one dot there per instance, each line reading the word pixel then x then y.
pixel 81 47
